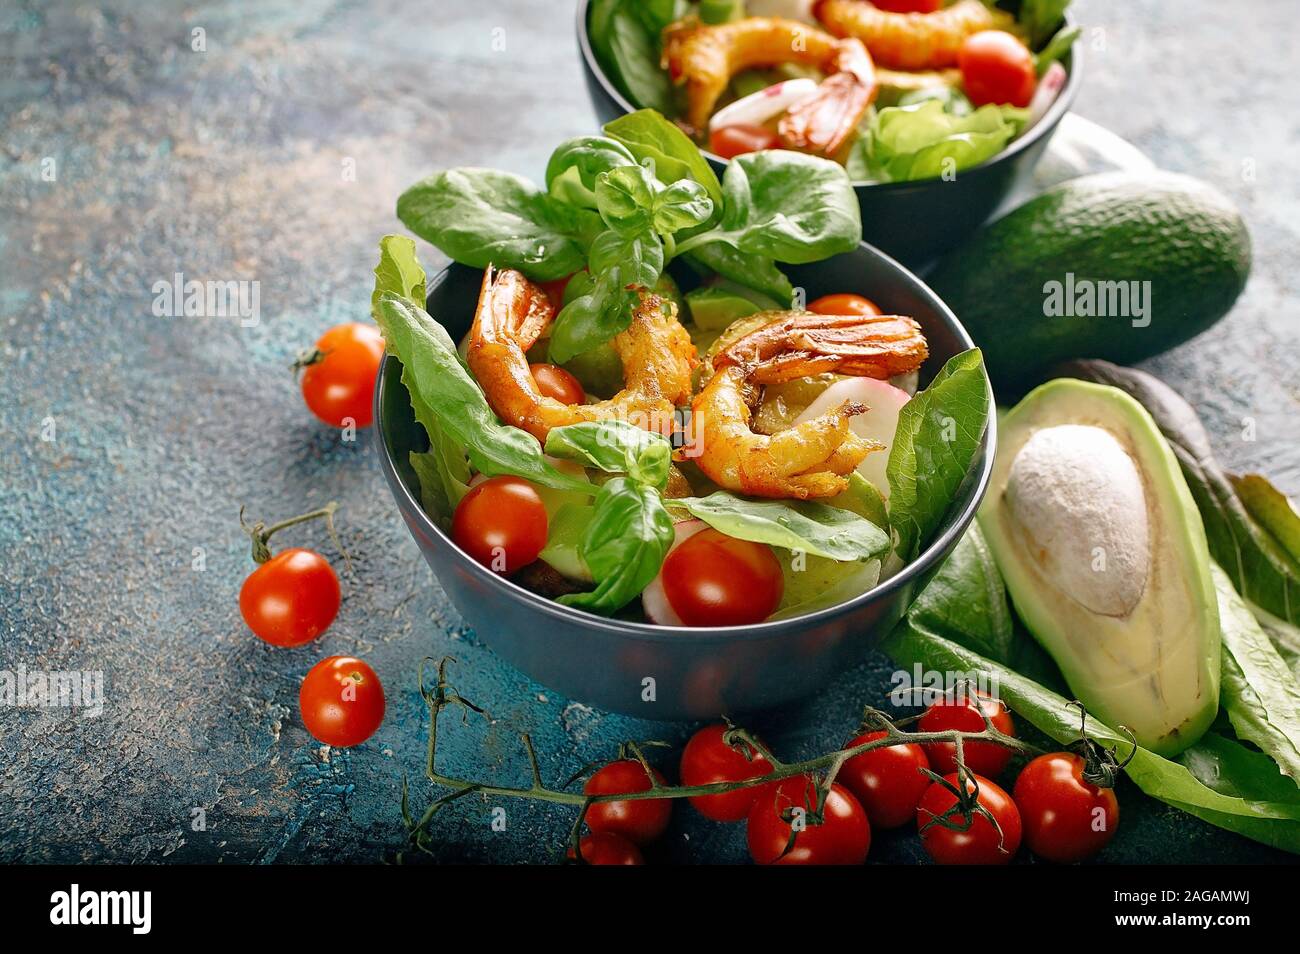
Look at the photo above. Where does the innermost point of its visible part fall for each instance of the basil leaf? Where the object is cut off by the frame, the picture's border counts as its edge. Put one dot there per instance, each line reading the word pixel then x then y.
pixel 615 447
pixel 622 264
pixel 575 164
pixel 624 546
pixel 398 272
pixel 806 525
pixel 434 376
pixel 786 206
pixel 937 438
pixel 625 198
pixel 752 271
pixel 1259 692
pixel 482 217
pixel 647 135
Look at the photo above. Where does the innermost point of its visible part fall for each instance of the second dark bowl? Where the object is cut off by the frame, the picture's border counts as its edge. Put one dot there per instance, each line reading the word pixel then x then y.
pixel 912 221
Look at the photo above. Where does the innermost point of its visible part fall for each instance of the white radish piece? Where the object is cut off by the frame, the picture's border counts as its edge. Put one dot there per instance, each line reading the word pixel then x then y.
pixel 1049 87
pixel 654 598
pixel 884 401
pixel 789 9
pixel 757 108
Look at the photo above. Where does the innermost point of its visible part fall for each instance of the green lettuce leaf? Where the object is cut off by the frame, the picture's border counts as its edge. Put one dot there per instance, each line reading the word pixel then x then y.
pixel 924 141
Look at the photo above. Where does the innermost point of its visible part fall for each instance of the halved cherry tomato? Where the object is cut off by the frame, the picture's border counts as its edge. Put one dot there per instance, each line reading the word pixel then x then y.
pixel 639 821
pixel 842 838
pixel 909 6
pixel 731 141
pixel 501 523
pixel 844 304
pixel 341 384
pixel 888 781
pixel 554 382
pixel 1066 819
pixel 980 844
pixel 342 701
pixel 960 710
pixel 606 848
pixel 291 598
pixel 997 68
pixel 716 580
pixel 708 758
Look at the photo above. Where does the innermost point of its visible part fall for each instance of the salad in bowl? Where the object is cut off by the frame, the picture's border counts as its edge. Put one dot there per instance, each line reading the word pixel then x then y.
pixel 646 419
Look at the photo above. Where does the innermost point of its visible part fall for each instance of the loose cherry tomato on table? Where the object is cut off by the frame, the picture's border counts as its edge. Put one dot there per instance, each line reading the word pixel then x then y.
pixel 716 580
pixel 709 758
pixel 960 711
pixel 640 820
pixel 291 598
pixel 888 781
pixel 731 141
pixel 606 848
pixel 842 838
pixel 997 68
pixel 980 844
pixel 844 304
pixel 338 380
pixel 501 523
pixel 1066 818
pixel 342 701
pixel 554 382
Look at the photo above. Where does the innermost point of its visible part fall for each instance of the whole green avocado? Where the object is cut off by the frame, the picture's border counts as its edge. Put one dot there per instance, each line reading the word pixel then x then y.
pixel 1120 266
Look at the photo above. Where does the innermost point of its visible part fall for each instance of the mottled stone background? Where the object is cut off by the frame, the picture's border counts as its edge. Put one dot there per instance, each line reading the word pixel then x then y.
pixel 228 164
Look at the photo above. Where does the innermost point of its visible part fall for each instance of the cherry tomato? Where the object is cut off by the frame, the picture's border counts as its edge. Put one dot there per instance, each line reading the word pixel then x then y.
pixel 554 382
pixel 639 821
pixel 501 523
pixel 716 580
pixel 291 598
pixel 341 385
pixel 708 758
pixel 980 844
pixel 908 6
pixel 606 848
pixel 342 701
pixel 842 838
pixel 1066 819
pixel 731 141
pixel 844 304
pixel 888 781
pixel 961 711
pixel 997 68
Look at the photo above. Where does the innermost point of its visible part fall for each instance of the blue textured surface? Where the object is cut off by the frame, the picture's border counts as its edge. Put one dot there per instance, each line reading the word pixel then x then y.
pixel 228 164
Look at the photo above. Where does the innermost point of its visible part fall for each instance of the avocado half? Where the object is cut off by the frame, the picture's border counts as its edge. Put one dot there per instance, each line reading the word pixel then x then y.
pixel 1104 554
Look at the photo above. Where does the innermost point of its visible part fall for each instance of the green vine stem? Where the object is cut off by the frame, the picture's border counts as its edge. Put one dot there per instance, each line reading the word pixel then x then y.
pixel 260 534
pixel 443 696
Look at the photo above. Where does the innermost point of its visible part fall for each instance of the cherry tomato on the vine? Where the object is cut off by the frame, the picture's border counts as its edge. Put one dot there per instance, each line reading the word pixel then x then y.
pixel 888 781
pixel 960 710
pixel 980 844
pixel 606 848
pixel 340 385
pixel 554 382
pixel 716 580
pixel 342 701
pixel 842 838
pixel 708 758
pixel 1065 818
pixel 640 820
pixel 731 141
pixel 844 304
pixel 997 68
pixel 291 598
pixel 501 523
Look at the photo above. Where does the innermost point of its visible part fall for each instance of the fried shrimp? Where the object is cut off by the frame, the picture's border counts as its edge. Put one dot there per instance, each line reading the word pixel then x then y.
pixel 814 458
pixel 706 57
pixel 911 41
pixel 655 350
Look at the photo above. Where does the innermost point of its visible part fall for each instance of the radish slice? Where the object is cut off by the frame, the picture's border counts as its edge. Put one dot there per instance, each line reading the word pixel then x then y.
pixel 654 599
pixel 1049 87
pixel 906 382
pixel 789 9
pixel 757 108
pixel 878 423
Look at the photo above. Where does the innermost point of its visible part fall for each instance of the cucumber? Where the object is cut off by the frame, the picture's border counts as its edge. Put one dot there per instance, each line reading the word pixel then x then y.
pixel 1119 266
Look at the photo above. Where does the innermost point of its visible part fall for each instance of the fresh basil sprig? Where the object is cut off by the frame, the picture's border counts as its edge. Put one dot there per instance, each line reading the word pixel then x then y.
pixel 614 447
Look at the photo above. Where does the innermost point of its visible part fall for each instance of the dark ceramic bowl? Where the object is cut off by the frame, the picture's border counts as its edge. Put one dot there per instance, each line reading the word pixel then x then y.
pixel 913 221
pixel 696 673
